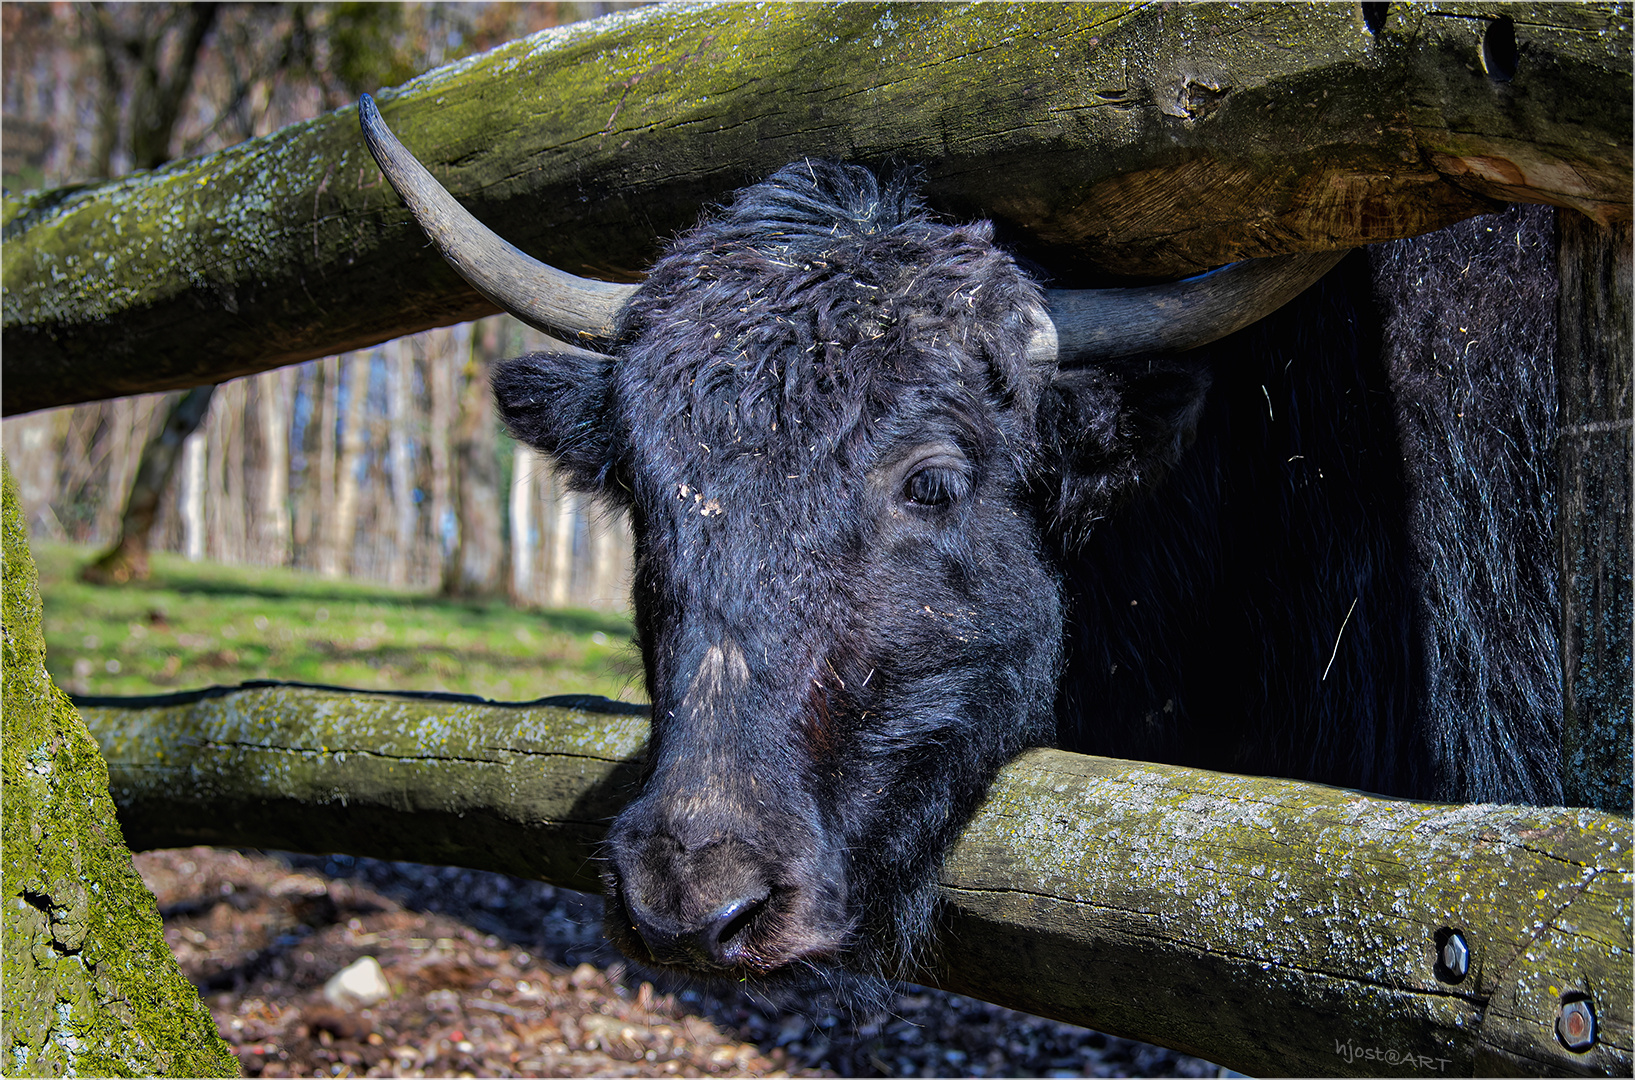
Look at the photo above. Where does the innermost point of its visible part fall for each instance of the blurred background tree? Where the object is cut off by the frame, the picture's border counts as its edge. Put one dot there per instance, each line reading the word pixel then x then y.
pixel 388 464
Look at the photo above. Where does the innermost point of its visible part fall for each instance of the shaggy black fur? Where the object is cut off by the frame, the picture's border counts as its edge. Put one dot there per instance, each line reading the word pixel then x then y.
pixel 1349 578
pixel 1470 343
pixel 856 504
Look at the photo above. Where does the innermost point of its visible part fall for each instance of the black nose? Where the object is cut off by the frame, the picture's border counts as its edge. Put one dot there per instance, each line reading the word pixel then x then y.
pixel 717 939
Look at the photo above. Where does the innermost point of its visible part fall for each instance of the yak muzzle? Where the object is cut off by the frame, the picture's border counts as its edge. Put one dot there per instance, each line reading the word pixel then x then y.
pixel 716 892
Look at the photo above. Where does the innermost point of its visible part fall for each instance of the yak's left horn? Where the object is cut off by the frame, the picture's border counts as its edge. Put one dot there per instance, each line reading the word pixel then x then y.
pixel 537 293
pixel 1105 324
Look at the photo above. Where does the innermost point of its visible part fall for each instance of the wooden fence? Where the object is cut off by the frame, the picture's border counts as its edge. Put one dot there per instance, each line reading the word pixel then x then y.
pixel 1275 927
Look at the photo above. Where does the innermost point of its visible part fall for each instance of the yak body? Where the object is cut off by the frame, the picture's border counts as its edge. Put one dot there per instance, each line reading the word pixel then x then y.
pixel 880 550
pixel 1350 577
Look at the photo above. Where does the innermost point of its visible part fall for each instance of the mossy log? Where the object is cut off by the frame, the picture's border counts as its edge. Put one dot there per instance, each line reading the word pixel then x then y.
pixel 1276 927
pixel 1125 139
pixel 91 987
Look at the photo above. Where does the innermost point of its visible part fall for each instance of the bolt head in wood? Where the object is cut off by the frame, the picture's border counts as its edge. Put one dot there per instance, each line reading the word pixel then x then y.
pixel 1575 1027
pixel 1455 958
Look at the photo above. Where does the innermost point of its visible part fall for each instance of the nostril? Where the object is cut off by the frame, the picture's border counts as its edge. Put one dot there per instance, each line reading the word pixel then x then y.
pixel 723 936
pixel 719 939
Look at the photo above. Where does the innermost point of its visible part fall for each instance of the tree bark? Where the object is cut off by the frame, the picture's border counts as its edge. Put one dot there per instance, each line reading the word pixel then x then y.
pixel 1275 927
pixel 91 988
pixel 1152 140
pixel 128 558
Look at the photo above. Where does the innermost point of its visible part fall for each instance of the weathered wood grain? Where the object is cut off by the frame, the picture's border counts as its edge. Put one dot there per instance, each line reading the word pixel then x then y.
pixel 1276 927
pixel 1593 507
pixel 1130 139
pixel 1290 929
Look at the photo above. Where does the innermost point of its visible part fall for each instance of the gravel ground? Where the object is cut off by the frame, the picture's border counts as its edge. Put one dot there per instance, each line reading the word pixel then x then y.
pixel 496 976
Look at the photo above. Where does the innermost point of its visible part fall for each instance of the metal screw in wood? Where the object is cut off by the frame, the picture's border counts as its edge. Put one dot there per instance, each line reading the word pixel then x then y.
pixel 1456 956
pixel 1576 1025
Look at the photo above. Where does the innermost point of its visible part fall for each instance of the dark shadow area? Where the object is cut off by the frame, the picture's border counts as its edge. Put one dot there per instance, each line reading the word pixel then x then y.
pixel 916 1031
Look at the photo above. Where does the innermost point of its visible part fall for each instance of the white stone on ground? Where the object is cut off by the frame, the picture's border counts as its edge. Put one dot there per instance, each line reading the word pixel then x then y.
pixel 358 984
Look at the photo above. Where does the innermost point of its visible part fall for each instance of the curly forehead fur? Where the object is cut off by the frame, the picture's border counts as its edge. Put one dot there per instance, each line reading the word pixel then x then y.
pixel 823 300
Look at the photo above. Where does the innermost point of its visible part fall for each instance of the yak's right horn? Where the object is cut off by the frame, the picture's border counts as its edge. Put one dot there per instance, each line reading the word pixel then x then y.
pixel 1093 325
pixel 537 293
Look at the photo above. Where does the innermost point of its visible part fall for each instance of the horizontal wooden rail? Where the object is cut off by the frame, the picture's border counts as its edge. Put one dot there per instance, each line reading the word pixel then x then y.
pixel 1272 926
pixel 1132 139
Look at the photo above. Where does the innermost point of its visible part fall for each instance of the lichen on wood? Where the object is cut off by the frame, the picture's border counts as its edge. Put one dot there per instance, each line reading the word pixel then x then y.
pixel 1272 926
pixel 1132 139
pixel 91 987
pixel 1286 928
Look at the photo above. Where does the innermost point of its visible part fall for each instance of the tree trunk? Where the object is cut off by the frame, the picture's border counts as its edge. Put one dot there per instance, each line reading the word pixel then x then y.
pixel 34 448
pixel 157 95
pixel 125 443
pixel 323 501
pixel 78 465
pixel 194 487
pixel 524 462
pixel 224 484
pixel 91 988
pixel 604 544
pixel 1152 140
pixel 442 348
pixel 399 428
pixel 477 566
pixel 561 518
pixel 1276 927
pixel 343 521
pixel 128 558
pixel 275 398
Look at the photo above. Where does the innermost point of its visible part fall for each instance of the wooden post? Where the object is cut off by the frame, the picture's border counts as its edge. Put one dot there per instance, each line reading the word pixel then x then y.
pixel 1275 927
pixel 1593 511
pixel 1144 139
pixel 90 987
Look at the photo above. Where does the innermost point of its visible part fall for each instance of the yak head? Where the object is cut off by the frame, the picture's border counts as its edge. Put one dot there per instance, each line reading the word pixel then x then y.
pixel 851 439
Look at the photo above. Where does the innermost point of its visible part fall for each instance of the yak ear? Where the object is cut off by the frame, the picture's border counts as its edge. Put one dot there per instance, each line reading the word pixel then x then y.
pixel 1110 430
pixel 558 403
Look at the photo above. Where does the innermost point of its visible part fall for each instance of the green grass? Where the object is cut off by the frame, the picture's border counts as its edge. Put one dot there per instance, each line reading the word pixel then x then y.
pixel 204 624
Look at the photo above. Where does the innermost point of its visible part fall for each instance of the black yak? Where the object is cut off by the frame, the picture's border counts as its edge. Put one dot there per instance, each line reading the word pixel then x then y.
pixel 874 470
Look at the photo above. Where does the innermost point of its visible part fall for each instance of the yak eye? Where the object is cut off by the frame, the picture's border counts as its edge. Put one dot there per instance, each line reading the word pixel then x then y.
pixel 935 486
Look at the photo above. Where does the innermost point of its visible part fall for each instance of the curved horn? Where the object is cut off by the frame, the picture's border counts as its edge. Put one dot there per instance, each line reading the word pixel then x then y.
pixel 1105 324
pixel 535 292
